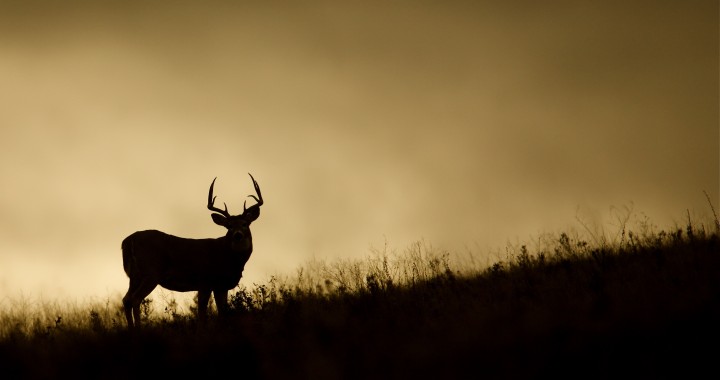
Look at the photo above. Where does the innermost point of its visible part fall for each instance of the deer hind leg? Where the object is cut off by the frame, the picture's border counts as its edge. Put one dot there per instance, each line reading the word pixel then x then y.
pixel 203 297
pixel 139 289
pixel 128 302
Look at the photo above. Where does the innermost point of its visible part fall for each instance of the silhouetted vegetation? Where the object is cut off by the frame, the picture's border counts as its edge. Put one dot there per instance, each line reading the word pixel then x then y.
pixel 642 303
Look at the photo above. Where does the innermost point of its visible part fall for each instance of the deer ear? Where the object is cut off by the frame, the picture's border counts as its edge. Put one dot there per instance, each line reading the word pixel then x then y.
pixel 220 220
pixel 251 214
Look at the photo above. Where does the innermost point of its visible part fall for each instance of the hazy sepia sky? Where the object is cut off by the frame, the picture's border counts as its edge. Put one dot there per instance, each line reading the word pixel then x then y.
pixel 464 123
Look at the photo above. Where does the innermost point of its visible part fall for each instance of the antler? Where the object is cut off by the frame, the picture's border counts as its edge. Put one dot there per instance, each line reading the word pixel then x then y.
pixel 257 199
pixel 211 202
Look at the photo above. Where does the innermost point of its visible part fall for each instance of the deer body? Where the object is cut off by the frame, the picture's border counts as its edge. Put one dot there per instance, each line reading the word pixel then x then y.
pixel 182 264
pixel 152 258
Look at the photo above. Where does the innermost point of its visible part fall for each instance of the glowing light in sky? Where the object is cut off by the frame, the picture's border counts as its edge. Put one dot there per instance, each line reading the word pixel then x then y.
pixel 464 124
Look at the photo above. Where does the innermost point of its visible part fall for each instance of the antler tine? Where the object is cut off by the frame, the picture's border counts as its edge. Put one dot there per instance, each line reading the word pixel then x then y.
pixel 259 198
pixel 211 202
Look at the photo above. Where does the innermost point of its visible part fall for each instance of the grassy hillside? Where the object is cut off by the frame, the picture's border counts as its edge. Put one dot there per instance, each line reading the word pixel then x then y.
pixel 644 304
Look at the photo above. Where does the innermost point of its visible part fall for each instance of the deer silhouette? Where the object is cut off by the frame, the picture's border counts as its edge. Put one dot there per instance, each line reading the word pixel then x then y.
pixel 213 265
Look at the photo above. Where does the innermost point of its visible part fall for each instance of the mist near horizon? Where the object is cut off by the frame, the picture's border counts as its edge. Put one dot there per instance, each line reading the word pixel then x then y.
pixel 467 125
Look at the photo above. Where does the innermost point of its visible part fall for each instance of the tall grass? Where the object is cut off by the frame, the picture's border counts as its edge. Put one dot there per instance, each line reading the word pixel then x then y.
pixel 641 300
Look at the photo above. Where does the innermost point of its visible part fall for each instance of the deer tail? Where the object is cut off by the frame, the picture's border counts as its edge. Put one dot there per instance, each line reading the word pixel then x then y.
pixel 128 255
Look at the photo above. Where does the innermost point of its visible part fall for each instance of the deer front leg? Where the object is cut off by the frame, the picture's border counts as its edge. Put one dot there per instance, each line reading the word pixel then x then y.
pixel 203 298
pixel 221 301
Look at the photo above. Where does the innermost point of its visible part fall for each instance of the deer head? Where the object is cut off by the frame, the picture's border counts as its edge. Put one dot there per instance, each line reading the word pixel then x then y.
pixel 238 226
